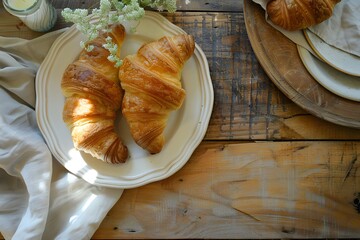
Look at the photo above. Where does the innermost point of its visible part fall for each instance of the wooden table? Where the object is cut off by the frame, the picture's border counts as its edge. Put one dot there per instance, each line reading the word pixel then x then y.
pixel 266 168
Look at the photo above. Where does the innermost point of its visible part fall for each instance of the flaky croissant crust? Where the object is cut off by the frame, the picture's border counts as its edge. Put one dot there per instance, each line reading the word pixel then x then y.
pixel 151 80
pixel 93 95
pixel 299 14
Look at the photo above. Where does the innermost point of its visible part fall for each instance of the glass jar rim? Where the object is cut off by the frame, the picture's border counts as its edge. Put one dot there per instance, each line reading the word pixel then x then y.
pixel 28 10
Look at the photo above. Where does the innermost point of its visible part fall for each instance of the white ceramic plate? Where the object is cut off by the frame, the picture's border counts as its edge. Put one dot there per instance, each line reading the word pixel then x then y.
pixel 342 84
pixel 185 130
pixel 341 60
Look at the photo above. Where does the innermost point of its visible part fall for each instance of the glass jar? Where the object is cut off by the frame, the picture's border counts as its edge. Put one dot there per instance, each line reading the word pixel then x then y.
pixel 38 15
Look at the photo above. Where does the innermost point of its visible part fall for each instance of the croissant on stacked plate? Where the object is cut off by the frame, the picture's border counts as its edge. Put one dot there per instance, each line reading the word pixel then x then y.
pixel 151 80
pixel 299 14
pixel 93 95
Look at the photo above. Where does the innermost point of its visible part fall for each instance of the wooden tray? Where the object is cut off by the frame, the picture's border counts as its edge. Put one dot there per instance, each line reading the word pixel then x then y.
pixel 280 59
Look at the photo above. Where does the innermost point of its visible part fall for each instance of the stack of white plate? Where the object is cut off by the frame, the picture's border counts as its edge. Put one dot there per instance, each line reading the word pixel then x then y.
pixel 336 70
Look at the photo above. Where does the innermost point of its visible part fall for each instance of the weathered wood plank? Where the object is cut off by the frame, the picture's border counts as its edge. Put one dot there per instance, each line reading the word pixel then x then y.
pixel 209 6
pixel 249 190
pixel 182 5
pixel 303 189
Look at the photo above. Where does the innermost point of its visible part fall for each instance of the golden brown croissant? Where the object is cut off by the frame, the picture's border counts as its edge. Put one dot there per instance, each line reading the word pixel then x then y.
pixel 151 80
pixel 299 14
pixel 93 95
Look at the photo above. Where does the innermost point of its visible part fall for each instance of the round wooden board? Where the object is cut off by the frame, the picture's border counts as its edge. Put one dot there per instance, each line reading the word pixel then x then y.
pixel 280 59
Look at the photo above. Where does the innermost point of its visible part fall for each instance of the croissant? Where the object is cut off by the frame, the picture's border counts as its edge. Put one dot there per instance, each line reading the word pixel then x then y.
pixel 151 80
pixel 294 15
pixel 92 96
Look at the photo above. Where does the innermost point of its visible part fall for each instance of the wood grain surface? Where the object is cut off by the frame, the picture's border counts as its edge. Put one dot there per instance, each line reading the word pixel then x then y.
pixel 267 168
pixel 248 190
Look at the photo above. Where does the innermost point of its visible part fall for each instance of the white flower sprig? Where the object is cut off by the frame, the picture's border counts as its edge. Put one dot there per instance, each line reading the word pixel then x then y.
pixel 110 12
pixel 113 49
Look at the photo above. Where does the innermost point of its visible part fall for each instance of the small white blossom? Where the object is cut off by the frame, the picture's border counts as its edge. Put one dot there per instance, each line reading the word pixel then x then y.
pixel 110 12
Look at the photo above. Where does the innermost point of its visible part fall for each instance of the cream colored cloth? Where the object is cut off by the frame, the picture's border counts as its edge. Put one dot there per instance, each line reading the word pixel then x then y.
pixel 39 198
pixel 342 30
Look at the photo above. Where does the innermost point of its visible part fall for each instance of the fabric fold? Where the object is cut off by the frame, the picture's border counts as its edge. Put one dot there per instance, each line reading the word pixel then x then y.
pixel 39 198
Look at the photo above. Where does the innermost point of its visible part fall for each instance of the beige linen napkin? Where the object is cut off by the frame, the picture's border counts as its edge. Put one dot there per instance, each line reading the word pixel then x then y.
pixel 39 198
pixel 342 30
